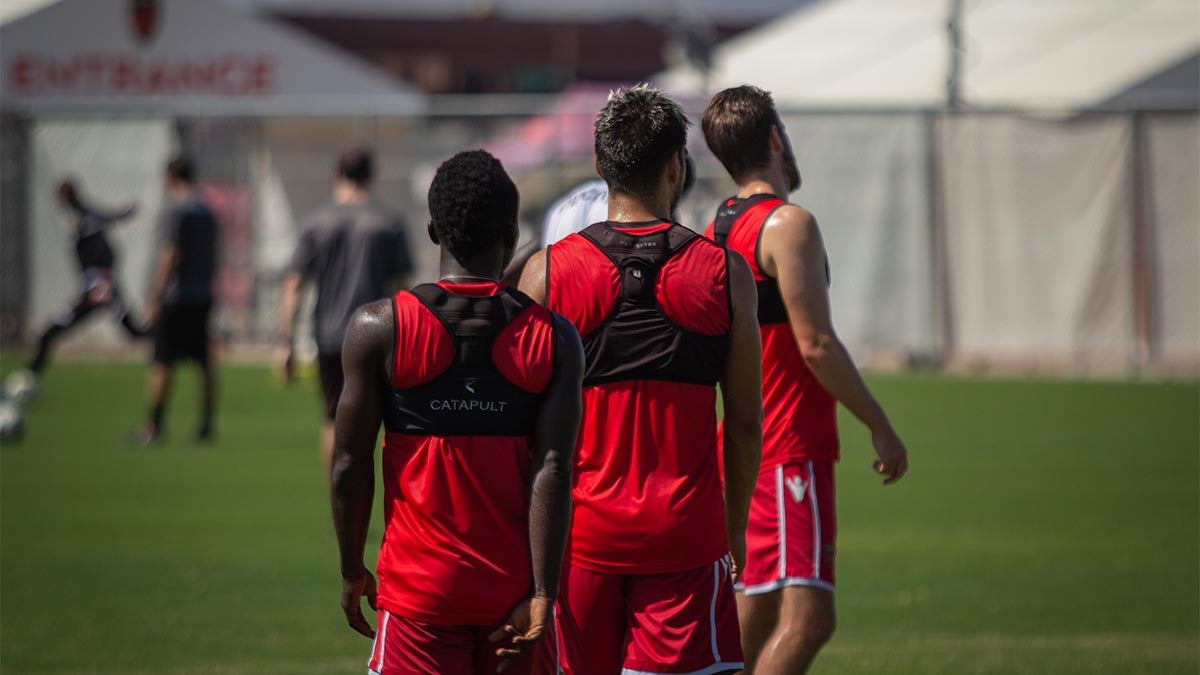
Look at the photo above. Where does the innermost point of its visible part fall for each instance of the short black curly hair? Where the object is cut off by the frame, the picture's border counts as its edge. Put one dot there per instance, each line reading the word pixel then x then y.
pixel 639 130
pixel 472 204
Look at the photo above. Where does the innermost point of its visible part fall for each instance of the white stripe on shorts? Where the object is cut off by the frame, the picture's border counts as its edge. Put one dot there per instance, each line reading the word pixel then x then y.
pixel 816 517
pixel 782 522
pixel 712 609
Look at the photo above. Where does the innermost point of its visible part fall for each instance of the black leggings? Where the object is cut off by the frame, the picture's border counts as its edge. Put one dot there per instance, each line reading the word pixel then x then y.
pixel 98 293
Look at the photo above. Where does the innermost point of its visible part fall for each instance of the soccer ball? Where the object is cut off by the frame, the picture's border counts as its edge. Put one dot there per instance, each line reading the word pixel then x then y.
pixel 22 387
pixel 12 422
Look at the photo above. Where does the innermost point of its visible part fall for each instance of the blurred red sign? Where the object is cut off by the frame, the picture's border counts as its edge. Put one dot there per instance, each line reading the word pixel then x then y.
pixel 126 74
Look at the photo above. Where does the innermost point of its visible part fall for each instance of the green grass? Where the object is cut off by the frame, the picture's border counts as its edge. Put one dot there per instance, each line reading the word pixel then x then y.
pixel 1044 528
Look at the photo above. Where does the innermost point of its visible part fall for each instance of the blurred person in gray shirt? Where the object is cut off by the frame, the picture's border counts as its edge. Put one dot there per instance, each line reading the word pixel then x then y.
pixel 354 251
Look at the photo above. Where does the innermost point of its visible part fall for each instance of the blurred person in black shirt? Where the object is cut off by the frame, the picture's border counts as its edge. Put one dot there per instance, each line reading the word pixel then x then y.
pixel 181 298
pixel 354 251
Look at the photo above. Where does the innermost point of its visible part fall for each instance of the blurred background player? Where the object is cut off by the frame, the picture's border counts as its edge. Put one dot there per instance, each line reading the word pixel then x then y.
pixel 478 390
pixel 585 204
pixel 181 298
pixel 665 315
pixel 355 251
pixel 787 607
pixel 97 262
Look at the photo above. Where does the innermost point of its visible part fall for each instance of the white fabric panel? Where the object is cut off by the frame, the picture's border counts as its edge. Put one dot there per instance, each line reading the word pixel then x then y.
pixel 113 162
pixel 866 180
pixel 1024 53
pixel 1174 199
pixel 1038 226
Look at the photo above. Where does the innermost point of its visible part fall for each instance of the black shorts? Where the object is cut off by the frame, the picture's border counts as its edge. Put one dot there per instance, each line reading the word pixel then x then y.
pixel 182 333
pixel 329 372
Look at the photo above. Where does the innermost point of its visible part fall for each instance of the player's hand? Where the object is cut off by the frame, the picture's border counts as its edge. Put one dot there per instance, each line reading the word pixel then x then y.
pixel 153 310
pixel 524 627
pixel 737 554
pixel 892 455
pixel 285 364
pixel 353 590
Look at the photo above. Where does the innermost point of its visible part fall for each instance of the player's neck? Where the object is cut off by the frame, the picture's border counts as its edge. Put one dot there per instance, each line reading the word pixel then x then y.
pixel 484 267
pixel 763 183
pixel 349 194
pixel 627 208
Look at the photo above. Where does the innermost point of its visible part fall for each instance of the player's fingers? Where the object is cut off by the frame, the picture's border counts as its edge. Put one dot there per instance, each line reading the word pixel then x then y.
pixel 878 466
pixel 504 632
pixel 359 623
pixel 901 469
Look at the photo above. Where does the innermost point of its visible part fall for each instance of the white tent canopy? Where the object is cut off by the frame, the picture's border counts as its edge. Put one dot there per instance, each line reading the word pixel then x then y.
pixel 181 56
pixel 1066 54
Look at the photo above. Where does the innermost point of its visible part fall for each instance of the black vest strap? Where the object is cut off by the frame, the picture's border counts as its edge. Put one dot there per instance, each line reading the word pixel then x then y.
pixel 638 341
pixel 728 214
pixel 770 301
pixel 471 397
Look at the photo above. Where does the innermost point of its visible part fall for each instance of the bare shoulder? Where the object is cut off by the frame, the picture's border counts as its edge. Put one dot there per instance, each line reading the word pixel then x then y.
pixel 370 329
pixel 793 222
pixel 533 278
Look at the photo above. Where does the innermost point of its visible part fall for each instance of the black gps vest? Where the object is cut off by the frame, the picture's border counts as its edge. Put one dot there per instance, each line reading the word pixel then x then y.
pixel 638 341
pixel 471 397
pixel 770 301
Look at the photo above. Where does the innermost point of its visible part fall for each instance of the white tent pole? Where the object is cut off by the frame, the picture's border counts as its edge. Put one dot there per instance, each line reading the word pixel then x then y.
pixel 954 63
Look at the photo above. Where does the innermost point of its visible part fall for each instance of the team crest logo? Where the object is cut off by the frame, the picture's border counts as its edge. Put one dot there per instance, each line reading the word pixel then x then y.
pixel 144 15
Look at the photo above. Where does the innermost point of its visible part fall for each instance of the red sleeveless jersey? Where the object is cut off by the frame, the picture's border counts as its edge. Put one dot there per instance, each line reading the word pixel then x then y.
pixel 799 415
pixel 648 496
pixel 456 454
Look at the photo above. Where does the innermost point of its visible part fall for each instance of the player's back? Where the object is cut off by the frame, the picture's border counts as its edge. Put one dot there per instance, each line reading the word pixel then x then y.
pixel 799 415
pixel 194 232
pixel 471 364
pixel 354 252
pixel 92 249
pixel 651 303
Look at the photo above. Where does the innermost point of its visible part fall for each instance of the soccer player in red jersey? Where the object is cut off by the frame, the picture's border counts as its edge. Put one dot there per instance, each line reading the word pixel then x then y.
pixel 786 602
pixel 478 391
pixel 665 316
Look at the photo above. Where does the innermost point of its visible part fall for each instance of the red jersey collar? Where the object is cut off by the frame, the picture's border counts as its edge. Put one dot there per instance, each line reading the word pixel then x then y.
pixel 480 289
pixel 641 227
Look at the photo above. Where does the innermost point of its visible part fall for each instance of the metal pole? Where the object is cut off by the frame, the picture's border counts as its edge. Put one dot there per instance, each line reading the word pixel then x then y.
pixel 954 64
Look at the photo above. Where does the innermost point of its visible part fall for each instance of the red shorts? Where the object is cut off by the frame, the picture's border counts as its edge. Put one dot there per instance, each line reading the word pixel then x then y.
pixel 790 540
pixel 409 647
pixel 680 623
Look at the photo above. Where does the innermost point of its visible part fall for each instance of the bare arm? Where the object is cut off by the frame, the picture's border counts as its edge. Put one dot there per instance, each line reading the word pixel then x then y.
pixel 553 453
pixel 550 505
pixel 289 301
pixel 533 278
pixel 356 430
pixel 741 394
pixel 793 251
pixel 164 269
